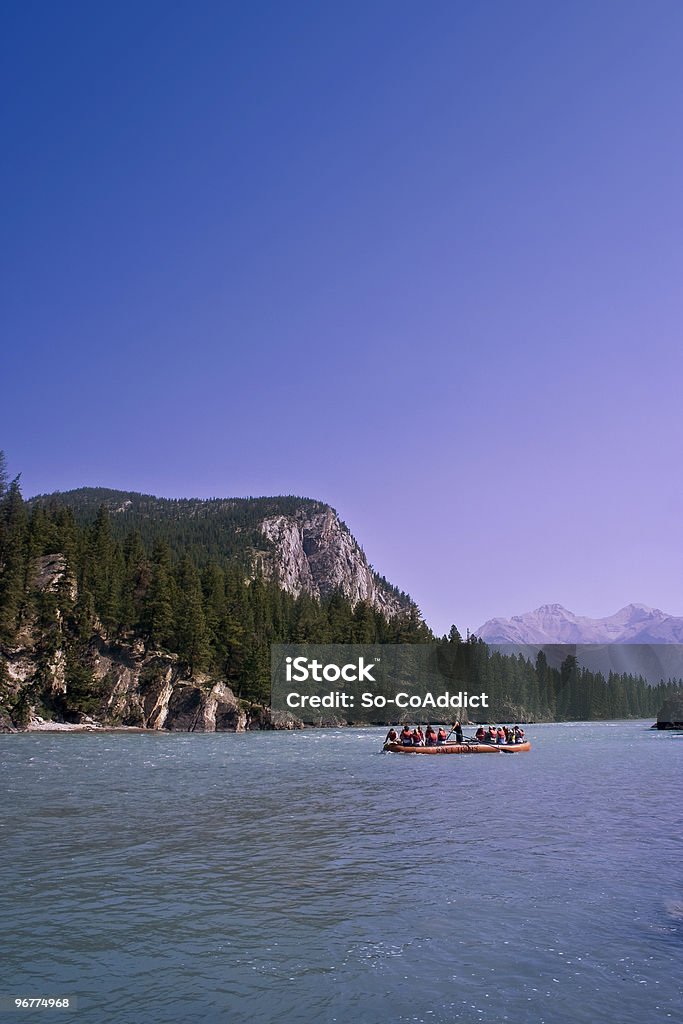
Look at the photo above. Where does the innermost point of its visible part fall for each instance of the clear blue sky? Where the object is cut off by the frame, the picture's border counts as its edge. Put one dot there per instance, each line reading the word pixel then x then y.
pixel 420 260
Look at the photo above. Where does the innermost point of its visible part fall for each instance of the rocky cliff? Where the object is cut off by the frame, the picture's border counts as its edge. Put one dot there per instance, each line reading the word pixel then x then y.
pixel 115 683
pixel 313 551
pixel 127 687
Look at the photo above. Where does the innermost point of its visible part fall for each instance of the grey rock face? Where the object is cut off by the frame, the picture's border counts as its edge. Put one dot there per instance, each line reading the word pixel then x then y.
pixel 315 554
pixel 52 573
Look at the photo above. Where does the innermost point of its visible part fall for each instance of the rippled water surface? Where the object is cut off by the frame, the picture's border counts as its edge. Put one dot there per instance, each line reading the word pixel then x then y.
pixel 307 877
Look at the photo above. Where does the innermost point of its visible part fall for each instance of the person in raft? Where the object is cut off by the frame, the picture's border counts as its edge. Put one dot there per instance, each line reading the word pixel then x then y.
pixel 391 736
pixel 501 737
pixel 492 735
pixel 480 734
pixel 418 737
pixel 518 735
pixel 441 737
pixel 406 737
pixel 457 729
pixel 430 736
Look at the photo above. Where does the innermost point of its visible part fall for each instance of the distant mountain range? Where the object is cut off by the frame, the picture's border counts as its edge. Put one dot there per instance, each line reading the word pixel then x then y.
pixel 554 624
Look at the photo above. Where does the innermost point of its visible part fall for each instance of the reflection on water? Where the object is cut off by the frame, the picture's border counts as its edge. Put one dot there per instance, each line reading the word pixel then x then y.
pixel 290 877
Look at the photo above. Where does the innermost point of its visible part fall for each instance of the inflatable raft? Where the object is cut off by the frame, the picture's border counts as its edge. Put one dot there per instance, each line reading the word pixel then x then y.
pixel 460 748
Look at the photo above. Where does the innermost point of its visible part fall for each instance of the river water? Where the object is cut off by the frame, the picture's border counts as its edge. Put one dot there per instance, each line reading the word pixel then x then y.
pixel 308 877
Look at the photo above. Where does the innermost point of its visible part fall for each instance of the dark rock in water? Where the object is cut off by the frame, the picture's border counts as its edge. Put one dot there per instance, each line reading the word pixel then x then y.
pixel 670 715
pixel 260 717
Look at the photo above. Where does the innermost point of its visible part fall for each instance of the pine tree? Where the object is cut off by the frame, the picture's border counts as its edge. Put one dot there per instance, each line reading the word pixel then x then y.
pixel 364 627
pixel 567 696
pixel 191 632
pixel 13 561
pixel 4 476
pixel 103 570
pixel 157 608
pixel 135 581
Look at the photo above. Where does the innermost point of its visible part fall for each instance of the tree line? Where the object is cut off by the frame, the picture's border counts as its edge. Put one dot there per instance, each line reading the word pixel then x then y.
pixel 519 686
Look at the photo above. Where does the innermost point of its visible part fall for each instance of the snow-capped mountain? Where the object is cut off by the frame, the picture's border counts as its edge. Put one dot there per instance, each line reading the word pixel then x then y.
pixel 553 624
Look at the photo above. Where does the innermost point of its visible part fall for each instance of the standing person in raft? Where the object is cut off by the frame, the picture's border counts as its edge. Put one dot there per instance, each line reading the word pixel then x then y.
pixel 457 729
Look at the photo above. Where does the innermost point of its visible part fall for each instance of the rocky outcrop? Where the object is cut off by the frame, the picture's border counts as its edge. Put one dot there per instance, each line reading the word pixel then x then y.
pixel 118 683
pixel 52 574
pixel 130 687
pixel 314 553
pixel 670 715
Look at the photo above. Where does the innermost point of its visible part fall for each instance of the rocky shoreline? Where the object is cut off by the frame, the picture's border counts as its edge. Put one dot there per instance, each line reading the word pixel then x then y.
pixel 129 688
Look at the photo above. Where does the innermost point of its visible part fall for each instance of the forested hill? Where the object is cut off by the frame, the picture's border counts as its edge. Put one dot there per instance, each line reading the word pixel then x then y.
pixel 161 613
pixel 299 543
pixel 137 508
pixel 225 529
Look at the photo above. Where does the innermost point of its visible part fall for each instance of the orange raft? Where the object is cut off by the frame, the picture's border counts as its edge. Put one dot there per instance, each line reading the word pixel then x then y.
pixel 460 748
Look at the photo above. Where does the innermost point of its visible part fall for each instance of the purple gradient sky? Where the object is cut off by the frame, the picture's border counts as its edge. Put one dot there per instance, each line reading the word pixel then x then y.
pixel 421 261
